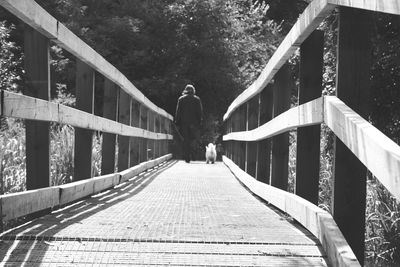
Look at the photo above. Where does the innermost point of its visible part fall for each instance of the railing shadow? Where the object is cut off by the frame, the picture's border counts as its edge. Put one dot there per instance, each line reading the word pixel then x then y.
pixel 26 239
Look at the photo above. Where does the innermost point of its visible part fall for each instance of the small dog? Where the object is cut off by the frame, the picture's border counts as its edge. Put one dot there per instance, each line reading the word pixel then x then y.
pixel 211 153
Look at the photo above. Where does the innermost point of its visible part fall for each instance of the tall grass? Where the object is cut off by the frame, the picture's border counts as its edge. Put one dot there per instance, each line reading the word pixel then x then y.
pixel 12 155
pixel 62 154
pixel 382 226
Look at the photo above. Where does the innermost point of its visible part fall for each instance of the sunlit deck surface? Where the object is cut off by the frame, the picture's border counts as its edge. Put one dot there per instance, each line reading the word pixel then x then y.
pixel 179 214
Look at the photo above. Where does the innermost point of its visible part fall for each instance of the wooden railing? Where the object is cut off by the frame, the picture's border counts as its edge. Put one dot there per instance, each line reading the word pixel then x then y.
pixel 143 129
pixel 258 120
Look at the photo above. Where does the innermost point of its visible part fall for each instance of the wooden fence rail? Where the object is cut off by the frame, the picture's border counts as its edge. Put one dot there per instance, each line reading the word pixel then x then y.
pixel 261 151
pixel 24 203
pixel 141 130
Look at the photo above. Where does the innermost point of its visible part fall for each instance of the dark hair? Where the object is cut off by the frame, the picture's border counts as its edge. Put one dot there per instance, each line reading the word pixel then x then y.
pixel 189 89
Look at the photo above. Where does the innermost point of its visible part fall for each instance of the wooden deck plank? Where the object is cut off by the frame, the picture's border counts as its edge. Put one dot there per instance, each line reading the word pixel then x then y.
pixel 179 214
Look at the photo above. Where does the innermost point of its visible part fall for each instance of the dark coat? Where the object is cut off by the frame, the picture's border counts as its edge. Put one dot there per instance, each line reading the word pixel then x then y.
pixel 189 111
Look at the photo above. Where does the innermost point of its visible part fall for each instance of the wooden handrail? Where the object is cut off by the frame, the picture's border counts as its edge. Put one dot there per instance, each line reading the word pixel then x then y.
pixel 25 107
pixel 317 221
pixel 384 6
pixel 34 15
pixel 309 20
pixel 141 126
pixel 263 152
pixel 24 203
pixel 312 16
pixel 307 114
pixel 374 149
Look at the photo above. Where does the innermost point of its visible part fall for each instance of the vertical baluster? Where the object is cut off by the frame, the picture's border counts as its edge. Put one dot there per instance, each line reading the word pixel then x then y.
pixel 251 147
pixel 134 157
pixel 157 142
pixel 226 144
pixel 234 129
pixel 264 146
pixel 230 143
pixel 143 125
pixel 353 88
pixel 169 131
pixel 124 116
pixel 308 138
pixel 150 142
pixel 83 137
pixel 280 143
pixel 164 130
pixel 37 133
pixel 242 144
pixel 110 103
pixel 161 141
pixel 237 143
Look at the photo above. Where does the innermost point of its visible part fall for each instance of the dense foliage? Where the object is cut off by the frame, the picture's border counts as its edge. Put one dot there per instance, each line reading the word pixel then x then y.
pixel 10 59
pixel 219 46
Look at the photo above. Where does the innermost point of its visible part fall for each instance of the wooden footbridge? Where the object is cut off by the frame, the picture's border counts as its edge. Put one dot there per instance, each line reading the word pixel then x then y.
pixel 162 212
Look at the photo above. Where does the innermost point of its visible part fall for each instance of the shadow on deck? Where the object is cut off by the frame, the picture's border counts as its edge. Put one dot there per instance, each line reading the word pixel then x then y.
pixel 177 215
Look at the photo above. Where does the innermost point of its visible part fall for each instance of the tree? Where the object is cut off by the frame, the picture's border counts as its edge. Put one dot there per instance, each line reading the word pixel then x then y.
pixel 219 46
pixel 10 59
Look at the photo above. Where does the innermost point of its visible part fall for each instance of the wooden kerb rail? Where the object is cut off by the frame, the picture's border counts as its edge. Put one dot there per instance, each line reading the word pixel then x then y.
pixel 143 130
pixel 257 123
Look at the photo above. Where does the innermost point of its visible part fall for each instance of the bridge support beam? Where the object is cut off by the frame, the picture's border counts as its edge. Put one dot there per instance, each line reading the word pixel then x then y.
pixel 84 138
pixel 124 117
pixel 110 102
pixel 37 133
pixel 353 75
pixel 264 146
pixel 280 143
pixel 308 138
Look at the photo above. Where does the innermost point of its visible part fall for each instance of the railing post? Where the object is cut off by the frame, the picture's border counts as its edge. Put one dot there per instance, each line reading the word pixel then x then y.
pixel 143 125
pixel 134 157
pixel 308 138
pixel 280 143
pixel 234 143
pixel 158 129
pixel 251 147
pixel 169 131
pixel 264 146
pixel 37 133
pixel 353 88
pixel 230 143
pixel 124 116
pixel 165 131
pixel 164 149
pixel 226 144
pixel 150 142
pixel 110 102
pixel 242 144
pixel 83 137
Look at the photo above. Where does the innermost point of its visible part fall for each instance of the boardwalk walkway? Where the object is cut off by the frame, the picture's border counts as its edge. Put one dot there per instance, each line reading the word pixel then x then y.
pixel 177 215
